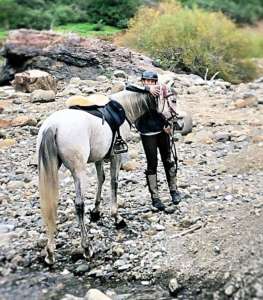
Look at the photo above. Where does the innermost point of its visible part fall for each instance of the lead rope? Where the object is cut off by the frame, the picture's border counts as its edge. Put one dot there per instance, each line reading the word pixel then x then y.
pixel 173 149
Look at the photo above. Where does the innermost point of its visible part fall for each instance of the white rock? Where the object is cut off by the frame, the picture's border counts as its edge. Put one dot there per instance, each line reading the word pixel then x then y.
pixel 94 294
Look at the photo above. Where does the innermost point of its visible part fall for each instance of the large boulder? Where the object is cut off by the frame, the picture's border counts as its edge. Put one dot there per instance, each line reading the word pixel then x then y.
pixel 66 56
pixel 33 80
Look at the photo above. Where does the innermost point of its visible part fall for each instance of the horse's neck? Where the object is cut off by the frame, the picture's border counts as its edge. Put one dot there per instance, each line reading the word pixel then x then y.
pixel 134 104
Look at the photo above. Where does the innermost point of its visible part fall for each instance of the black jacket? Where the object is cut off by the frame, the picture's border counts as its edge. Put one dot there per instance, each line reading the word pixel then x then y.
pixel 150 122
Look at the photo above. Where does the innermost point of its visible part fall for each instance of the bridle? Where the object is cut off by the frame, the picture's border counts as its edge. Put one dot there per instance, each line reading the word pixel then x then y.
pixel 174 116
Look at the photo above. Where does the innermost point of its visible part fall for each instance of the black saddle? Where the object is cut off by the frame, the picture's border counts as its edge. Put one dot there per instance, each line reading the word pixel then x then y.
pixel 114 114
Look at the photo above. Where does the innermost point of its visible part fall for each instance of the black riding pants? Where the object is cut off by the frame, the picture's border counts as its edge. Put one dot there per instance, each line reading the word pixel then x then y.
pixel 151 144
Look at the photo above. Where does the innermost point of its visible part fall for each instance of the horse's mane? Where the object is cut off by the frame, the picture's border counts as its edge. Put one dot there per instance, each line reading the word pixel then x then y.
pixel 134 104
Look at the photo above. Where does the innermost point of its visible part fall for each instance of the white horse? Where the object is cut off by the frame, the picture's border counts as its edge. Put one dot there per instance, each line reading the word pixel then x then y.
pixel 74 138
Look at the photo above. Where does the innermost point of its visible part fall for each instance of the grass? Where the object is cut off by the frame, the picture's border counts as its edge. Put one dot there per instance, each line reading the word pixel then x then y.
pixel 88 29
pixel 3 34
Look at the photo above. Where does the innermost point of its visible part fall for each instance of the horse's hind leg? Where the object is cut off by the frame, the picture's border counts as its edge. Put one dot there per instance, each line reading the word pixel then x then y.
pixel 115 170
pixel 95 213
pixel 79 180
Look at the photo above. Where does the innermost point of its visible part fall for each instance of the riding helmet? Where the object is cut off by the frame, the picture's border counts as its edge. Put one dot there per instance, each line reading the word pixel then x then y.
pixel 149 75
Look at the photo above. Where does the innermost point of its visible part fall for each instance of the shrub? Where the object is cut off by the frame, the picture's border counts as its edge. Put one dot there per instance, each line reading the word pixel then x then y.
pixel 191 40
pixel 239 10
pixel 114 13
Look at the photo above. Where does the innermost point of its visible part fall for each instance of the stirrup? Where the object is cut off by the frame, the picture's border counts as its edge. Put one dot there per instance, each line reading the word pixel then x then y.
pixel 120 146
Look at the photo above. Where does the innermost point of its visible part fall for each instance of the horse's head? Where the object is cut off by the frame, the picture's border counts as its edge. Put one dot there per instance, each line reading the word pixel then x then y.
pixel 166 103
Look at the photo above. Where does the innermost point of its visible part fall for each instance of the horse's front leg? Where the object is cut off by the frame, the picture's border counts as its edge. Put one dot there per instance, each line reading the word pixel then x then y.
pixel 95 213
pixel 79 180
pixel 114 171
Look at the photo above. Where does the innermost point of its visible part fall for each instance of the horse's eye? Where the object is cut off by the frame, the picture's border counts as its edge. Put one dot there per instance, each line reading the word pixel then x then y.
pixel 173 101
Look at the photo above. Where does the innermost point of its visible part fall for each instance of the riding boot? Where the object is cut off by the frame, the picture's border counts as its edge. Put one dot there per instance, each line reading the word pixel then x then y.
pixel 172 183
pixel 153 189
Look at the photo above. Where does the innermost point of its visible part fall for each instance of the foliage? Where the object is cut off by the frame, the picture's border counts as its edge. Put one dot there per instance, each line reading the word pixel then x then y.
pixel 44 14
pixel 111 12
pixel 191 40
pixel 255 41
pixel 239 10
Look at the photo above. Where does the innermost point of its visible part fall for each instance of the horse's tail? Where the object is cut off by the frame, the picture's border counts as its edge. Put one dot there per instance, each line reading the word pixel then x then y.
pixel 48 178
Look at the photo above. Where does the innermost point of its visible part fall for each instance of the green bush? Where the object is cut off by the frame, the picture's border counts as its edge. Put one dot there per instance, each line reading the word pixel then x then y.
pixel 239 10
pixel 111 12
pixel 191 40
pixel 43 14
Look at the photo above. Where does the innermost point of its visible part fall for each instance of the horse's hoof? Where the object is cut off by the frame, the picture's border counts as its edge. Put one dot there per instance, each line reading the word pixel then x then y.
pixel 120 223
pixel 94 216
pixel 50 258
pixel 88 252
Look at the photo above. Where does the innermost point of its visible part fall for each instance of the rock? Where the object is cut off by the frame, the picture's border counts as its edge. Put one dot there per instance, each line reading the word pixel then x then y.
pixel 117 87
pixel 230 289
pixel 129 166
pixel 174 286
pixel 75 81
pixel 222 136
pixel 5 123
pixel 14 185
pixel 258 289
pixel 71 297
pixel 66 56
pixel 102 78
pixel 82 269
pixel 257 139
pixel 195 89
pixel 118 250
pixel 228 197
pixel 94 294
pixel 216 250
pixel 240 103
pixel 32 80
pixel 249 100
pixel 23 121
pixel 4 228
pixel 6 143
pixel 42 96
pixel 120 74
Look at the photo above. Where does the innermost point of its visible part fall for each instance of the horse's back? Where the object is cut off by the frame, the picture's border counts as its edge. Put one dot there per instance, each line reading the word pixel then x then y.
pixel 78 133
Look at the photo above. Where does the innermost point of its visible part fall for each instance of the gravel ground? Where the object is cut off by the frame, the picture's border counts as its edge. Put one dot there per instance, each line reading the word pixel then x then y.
pixel 211 245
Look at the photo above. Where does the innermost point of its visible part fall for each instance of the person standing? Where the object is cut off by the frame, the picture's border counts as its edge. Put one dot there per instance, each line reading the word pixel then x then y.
pixel 154 132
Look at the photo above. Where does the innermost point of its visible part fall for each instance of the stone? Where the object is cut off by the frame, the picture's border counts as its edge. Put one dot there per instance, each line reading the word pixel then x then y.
pixel 82 269
pixel 257 139
pixel 222 136
pixel 118 250
pixel 94 294
pixel 14 185
pixel 5 123
pixel 117 87
pixel 71 297
pixel 230 290
pixel 102 78
pixel 120 74
pixel 42 96
pixel 129 166
pixel 23 121
pixel 7 143
pixel 248 100
pixel 32 80
pixel 4 228
pixel 174 286
pixel 240 103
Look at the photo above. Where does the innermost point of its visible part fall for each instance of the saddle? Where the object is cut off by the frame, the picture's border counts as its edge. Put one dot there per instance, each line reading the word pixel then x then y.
pixel 93 99
pixel 108 110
